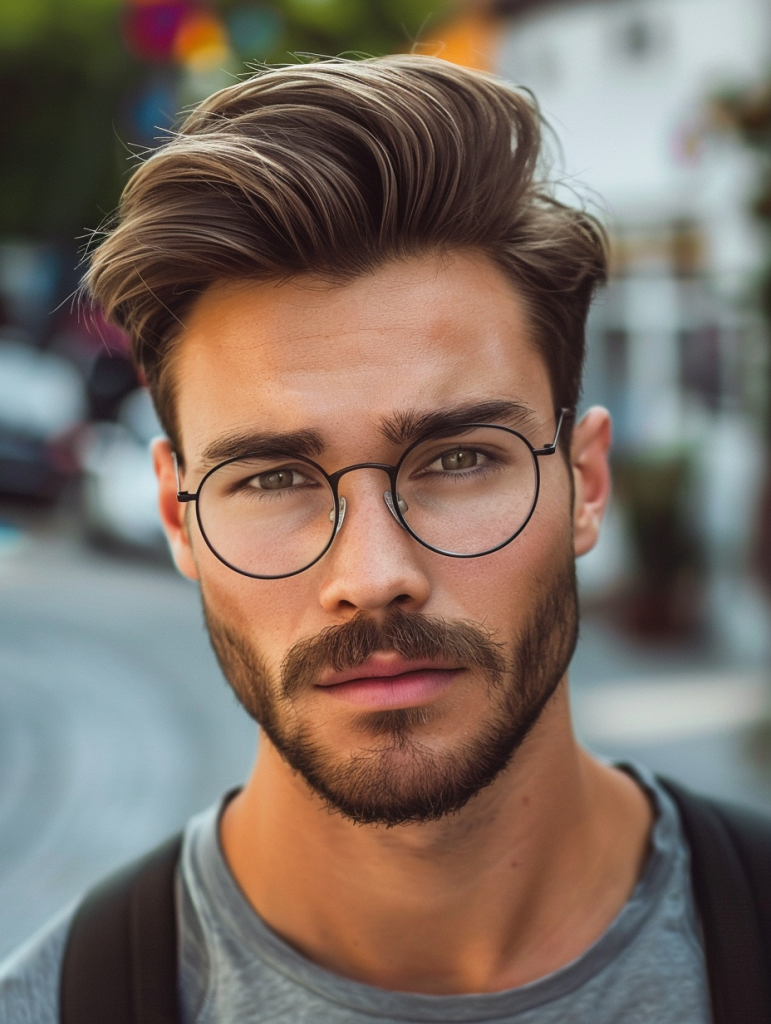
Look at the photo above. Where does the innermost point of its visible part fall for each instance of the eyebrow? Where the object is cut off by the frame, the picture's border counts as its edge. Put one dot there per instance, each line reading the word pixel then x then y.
pixel 399 428
pixel 297 444
pixel 404 427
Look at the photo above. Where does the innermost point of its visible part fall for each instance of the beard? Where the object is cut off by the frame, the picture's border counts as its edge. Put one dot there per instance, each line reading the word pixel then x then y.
pixel 394 778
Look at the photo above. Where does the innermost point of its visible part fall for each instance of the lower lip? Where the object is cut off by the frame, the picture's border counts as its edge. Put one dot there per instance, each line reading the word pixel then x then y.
pixel 403 691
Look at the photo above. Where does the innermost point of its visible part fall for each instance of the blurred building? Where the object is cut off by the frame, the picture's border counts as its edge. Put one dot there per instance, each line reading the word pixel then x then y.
pixel 678 349
pixel 626 86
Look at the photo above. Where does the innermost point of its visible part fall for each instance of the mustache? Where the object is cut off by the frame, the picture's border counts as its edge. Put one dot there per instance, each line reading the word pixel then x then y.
pixel 413 636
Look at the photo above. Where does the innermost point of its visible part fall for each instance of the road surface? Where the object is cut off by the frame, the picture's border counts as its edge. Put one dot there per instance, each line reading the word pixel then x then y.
pixel 115 722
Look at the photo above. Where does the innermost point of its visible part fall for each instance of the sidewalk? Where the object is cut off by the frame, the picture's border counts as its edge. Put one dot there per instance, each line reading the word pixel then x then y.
pixel 688 713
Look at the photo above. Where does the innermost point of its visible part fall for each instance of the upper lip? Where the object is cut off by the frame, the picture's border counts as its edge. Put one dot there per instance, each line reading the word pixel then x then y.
pixel 383 668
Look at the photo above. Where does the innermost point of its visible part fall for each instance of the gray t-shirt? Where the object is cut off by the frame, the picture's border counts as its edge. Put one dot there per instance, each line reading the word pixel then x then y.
pixel 647 968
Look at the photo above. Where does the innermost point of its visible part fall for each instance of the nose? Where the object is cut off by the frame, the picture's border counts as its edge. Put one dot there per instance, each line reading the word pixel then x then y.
pixel 373 562
pixel 387 498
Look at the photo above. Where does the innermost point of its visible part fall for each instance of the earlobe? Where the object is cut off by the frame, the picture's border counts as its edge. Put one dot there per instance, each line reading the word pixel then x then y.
pixel 591 475
pixel 172 512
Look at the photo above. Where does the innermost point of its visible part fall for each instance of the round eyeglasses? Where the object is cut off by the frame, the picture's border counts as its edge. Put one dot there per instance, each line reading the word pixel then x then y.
pixel 463 492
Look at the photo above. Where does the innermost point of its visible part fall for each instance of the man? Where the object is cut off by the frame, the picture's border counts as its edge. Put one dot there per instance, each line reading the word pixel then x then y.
pixel 361 313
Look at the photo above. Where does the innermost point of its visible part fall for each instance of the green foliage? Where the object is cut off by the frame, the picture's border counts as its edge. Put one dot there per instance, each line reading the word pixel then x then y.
pixel 58 147
pixel 35 25
pixel 328 16
pixel 22 22
pixel 63 152
pixel 349 26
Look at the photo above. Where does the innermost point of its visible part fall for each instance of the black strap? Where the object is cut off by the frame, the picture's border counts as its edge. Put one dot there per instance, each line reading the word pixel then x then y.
pixel 731 872
pixel 120 961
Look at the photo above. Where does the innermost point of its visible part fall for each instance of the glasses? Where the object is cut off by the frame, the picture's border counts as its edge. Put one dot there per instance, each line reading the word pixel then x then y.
pixel 462 492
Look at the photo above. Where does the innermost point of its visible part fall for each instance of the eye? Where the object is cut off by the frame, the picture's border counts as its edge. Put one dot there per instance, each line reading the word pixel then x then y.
pixel 278 480
pixel 461 458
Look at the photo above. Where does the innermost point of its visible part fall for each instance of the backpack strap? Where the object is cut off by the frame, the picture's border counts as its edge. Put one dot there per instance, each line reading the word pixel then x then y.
pixel 120 960
pixel 731 874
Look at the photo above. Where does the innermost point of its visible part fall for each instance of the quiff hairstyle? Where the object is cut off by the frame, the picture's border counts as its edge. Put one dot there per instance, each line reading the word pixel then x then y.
pixel 333 168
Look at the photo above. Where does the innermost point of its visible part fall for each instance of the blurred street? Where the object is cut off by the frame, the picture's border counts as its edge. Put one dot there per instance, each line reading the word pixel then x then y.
pixel 690 713
pixel 115 724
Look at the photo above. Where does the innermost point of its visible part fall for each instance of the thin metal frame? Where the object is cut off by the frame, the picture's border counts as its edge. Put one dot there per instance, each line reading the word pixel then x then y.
pixel 333 479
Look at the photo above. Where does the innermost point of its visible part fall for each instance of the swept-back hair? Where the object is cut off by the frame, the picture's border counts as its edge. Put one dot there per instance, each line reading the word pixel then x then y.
pixel 332 168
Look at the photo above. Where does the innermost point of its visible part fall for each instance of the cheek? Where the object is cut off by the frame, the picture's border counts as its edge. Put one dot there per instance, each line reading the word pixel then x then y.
pixel 269 614
pixel 499 588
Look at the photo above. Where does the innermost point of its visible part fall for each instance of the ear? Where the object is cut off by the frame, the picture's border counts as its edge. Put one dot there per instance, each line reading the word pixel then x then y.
pixel 173 512
pixel 591 476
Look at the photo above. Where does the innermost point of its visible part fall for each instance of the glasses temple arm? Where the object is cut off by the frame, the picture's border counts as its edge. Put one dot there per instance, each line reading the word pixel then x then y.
pixel 550 449
pixel 181 495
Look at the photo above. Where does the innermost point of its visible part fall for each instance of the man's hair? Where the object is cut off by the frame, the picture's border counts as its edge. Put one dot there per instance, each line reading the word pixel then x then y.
pixel 333 168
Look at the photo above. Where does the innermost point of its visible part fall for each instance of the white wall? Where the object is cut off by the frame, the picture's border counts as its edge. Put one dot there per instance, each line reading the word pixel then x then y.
pixel 623 83
pixel 625 86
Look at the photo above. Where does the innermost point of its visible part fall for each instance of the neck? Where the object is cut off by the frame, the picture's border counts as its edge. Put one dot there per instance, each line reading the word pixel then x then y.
pixel 520 882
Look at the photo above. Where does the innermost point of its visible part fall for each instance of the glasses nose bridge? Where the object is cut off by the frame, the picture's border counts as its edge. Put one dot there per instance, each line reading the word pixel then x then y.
pixel 335 479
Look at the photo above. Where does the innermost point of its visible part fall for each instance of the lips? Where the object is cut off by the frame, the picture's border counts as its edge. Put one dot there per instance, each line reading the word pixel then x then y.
pixel 389 683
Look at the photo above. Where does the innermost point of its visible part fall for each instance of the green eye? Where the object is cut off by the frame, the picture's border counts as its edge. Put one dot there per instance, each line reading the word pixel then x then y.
pixel 276 480
pixel 464 458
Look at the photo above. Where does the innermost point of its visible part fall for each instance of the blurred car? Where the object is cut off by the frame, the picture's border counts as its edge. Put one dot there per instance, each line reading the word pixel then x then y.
pixel 120 492
pixel 101 353
pixel 42 402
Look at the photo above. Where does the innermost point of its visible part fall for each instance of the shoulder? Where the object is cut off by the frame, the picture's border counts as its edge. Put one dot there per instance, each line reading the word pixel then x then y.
pixel 29 978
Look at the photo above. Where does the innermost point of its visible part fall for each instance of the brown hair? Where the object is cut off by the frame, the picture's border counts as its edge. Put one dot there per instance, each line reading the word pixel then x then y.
pixel 332 168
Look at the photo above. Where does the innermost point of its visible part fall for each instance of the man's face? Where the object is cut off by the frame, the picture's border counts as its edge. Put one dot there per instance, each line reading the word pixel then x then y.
pixel 396 680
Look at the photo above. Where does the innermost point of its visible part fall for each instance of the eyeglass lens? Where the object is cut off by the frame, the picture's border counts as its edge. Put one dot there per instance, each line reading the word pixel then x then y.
pixel 464 495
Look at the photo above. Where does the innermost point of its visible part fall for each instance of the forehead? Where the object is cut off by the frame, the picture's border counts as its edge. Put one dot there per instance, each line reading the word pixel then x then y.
pixel 413 336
